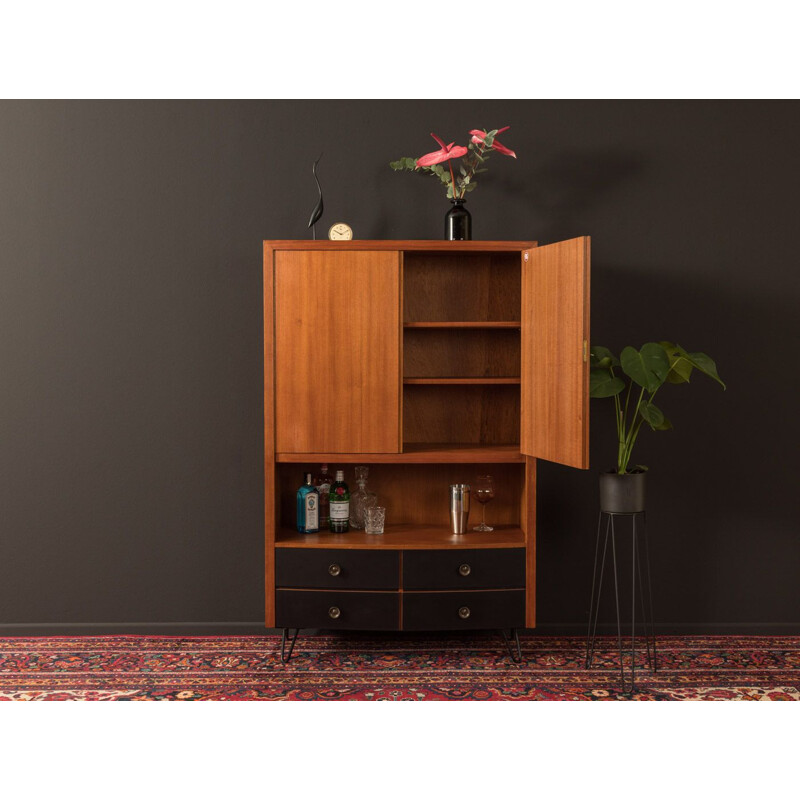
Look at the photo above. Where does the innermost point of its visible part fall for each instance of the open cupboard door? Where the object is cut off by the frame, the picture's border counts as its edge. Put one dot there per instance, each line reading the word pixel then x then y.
pixel 554 400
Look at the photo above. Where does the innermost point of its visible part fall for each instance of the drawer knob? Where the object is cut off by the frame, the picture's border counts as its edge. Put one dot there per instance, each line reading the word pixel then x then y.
pixel 464 570
pixel 463 612
pixel 334 612
pixel 334 569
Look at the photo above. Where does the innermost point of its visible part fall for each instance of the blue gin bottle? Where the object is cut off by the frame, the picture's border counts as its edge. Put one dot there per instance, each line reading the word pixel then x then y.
pixel 307 507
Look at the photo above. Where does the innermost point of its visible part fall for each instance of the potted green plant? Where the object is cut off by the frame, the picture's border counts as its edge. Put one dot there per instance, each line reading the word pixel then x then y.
pixel 633 380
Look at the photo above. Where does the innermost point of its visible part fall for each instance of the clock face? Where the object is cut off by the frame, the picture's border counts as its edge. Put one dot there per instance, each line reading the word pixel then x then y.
pixel 340 231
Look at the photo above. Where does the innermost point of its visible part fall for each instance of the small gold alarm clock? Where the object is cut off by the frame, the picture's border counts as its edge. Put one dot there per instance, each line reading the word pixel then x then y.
pixel 340 232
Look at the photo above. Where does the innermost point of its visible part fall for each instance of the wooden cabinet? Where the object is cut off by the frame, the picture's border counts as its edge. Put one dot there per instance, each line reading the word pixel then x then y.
pixel 431 363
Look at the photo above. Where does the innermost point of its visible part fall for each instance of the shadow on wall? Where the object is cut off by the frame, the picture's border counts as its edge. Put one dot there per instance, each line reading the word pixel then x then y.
pixel 720 524
pixel 571 184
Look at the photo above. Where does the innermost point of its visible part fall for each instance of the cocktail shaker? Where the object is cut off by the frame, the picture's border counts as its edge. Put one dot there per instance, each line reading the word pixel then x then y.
pixel 459 507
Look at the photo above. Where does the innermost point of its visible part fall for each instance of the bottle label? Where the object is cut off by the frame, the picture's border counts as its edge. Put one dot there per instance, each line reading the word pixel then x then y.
pixel 312 512
pixel 340 511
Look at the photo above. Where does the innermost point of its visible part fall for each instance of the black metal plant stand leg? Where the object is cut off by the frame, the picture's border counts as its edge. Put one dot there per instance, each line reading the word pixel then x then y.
pixel 650 594
pixel 594 606
pixel 650 635
pixel 517 659
pixel 638 537
pixel 284 655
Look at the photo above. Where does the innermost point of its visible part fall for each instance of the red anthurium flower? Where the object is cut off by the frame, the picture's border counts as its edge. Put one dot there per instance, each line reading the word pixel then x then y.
pixel 447 152
pixel 479 136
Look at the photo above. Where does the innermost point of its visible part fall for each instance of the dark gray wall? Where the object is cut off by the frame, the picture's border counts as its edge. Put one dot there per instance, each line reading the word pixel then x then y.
pixel 130 337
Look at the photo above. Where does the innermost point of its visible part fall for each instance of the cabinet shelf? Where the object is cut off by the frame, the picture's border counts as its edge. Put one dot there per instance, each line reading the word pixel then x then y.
pixel 445 325
pixel 416 453
pixel 460 381
pixel 405 537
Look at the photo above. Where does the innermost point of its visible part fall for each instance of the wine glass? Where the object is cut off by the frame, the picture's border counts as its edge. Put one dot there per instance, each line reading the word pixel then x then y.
pixel 483 489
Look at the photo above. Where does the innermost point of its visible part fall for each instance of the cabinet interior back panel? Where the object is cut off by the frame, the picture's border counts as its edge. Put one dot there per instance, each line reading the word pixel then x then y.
pixel 461 287
pixel 461 353
pixel 416 493
pixel 461 414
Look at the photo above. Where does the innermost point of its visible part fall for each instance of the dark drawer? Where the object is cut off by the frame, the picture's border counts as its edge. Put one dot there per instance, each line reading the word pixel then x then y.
pixel 429 611
pixel 464 569
pixel 310 568
pixel 345 610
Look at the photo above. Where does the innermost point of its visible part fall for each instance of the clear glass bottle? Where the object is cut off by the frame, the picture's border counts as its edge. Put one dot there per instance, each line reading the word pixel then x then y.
pixel 360 500
pixel 323 480
pixel 340 504
pixel 307 507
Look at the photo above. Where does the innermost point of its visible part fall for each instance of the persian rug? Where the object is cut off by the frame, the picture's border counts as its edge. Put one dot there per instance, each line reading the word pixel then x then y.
pixel 456 666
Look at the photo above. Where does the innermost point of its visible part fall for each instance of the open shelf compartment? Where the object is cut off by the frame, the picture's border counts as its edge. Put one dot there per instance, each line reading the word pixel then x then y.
pixel 461 348
pixel 465 353
pixel 460 288
pixel 416 497
pixel 481 415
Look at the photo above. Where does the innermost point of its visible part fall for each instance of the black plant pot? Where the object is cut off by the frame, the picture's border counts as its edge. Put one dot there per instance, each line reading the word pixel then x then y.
pixel 622 494
pixel 458 223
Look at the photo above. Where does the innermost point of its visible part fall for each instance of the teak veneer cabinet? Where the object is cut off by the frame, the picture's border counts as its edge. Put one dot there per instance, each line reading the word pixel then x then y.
pixel 430 362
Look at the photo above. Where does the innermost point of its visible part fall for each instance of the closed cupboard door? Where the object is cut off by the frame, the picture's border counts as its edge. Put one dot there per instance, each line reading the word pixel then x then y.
pixel 554 382
pixel 337 352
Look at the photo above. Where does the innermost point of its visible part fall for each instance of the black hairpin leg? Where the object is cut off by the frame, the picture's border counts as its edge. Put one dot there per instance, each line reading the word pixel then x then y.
pixel 641 582
pixel 284 655
pixel 650 593
pixel 648 624
pixel 647 621
pixel 507 639
pixel 619 619
pixel 594 607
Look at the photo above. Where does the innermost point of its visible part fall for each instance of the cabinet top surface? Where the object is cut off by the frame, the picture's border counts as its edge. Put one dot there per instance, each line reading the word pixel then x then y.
pixel 397 244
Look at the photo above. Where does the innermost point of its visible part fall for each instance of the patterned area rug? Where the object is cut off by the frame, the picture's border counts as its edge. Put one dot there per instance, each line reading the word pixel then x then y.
pixel 399 667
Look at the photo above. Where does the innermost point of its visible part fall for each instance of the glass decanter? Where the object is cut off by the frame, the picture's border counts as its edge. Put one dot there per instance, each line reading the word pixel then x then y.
pixel 361 499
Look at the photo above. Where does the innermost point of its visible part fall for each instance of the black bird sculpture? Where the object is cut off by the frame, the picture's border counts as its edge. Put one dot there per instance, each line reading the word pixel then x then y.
pixel 317 212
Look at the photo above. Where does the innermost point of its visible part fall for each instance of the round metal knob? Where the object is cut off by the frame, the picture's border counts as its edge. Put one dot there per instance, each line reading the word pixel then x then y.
pixel 464 570
pixel 334 569
pixel 463 612
pixel 334 612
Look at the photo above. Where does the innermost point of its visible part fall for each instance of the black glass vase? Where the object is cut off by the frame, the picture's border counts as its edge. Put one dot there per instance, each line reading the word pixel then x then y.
pixel 458 223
